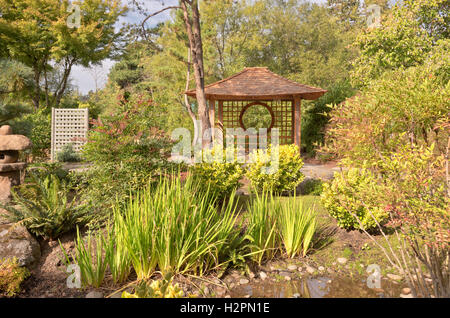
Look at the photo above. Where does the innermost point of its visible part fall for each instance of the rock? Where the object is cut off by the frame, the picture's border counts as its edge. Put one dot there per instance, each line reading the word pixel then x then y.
pixel 330 271
pixel 220 291
pixel 14 142
pixel 5 130
pixel 406 296
pixel 310 269
pixel 116 295
pixel 15 241
pixel 329 281
pixel 243 281
pixel 393 276
pixel 273 269
pixel 251 275
pixel 321 268
pixel 292 268
pixel 94 294
pixel 406 291
pixel 263 275
pixel 235 275
pixel 342 260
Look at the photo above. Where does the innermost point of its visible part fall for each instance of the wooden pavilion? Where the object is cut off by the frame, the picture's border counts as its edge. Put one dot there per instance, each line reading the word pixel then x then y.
pixel 231 97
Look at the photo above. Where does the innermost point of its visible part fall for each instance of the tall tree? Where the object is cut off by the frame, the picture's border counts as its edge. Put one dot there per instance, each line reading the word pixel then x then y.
pixel 191 17
pixel 40 34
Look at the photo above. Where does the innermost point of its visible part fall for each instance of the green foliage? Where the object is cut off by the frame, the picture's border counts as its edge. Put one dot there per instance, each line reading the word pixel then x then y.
pixel 89 256
pixel 296 226
pixel 45 207
pixel 126 153
pixel 312 187
pixel 44 170
pixel 162 288
pixel 262 232
pixel 38 33
pixel 274 225
pixel 68 154
pixel 405 39
pixel 172 227
pixel 404 106
pixel 277 169
pixel 11 276
pixel 315 116
pixel 343 199
pixel 37 127
pixel 216 174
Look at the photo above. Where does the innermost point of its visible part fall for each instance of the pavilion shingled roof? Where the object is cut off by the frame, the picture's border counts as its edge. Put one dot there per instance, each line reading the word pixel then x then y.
pixel 258 83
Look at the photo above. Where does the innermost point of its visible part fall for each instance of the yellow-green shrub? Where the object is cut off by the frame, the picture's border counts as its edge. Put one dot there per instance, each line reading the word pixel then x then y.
pixel 11 276
pixel 286 177
pixel 215 172
pixel 354 192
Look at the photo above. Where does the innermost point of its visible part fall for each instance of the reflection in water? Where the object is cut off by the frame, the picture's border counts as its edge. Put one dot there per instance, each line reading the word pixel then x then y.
pixel 318 287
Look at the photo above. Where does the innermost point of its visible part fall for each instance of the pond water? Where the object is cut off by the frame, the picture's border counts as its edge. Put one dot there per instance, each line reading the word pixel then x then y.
pixel 317 287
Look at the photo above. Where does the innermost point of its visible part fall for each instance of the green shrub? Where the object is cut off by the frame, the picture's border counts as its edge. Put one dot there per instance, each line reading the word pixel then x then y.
pixel 312 187
pixel 284 177
pixel 43 170
pixel 221 177
pixel 126 155
pixel 44 207
pixel 68 154
pixel 11 276
pixel 316 117
pixel 37 127
pixel 348 195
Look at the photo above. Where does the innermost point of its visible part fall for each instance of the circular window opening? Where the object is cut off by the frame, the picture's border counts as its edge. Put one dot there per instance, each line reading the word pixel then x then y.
pixel 257 115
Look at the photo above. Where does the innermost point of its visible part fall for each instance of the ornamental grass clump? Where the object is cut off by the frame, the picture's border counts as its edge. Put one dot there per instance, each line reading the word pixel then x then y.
pixel 297 226
pixel 262 227
pixel 171 227
pixel 277 226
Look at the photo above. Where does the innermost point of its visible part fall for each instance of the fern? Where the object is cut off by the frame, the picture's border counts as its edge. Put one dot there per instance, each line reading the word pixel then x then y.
pixel 44 208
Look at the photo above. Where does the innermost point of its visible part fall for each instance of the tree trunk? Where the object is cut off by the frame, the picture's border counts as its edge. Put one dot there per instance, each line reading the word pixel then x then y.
pixel 36 96
pixel 63 84
pixel 195 43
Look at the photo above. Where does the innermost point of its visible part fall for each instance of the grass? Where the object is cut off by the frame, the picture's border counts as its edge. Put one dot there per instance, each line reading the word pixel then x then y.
pixel 279 225
pixel 297 225
pixel 173 227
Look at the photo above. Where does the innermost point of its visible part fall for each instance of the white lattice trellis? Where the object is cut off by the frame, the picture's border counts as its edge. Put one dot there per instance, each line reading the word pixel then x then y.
pixel 69 125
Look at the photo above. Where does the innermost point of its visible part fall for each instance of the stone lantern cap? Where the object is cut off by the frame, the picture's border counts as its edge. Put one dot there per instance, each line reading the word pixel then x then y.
pixel 12 142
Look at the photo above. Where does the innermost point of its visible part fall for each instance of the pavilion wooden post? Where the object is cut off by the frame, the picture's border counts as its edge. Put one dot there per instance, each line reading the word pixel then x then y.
pixel 297 120
pixel 212 117
pixel 220 122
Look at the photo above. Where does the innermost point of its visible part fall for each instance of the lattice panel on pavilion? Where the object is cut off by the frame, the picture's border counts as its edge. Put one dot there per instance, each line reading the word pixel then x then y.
pixel 69 125
pixel 283 117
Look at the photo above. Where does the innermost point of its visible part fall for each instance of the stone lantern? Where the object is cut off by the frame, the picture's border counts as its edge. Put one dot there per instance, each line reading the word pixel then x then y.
pixel 10 169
